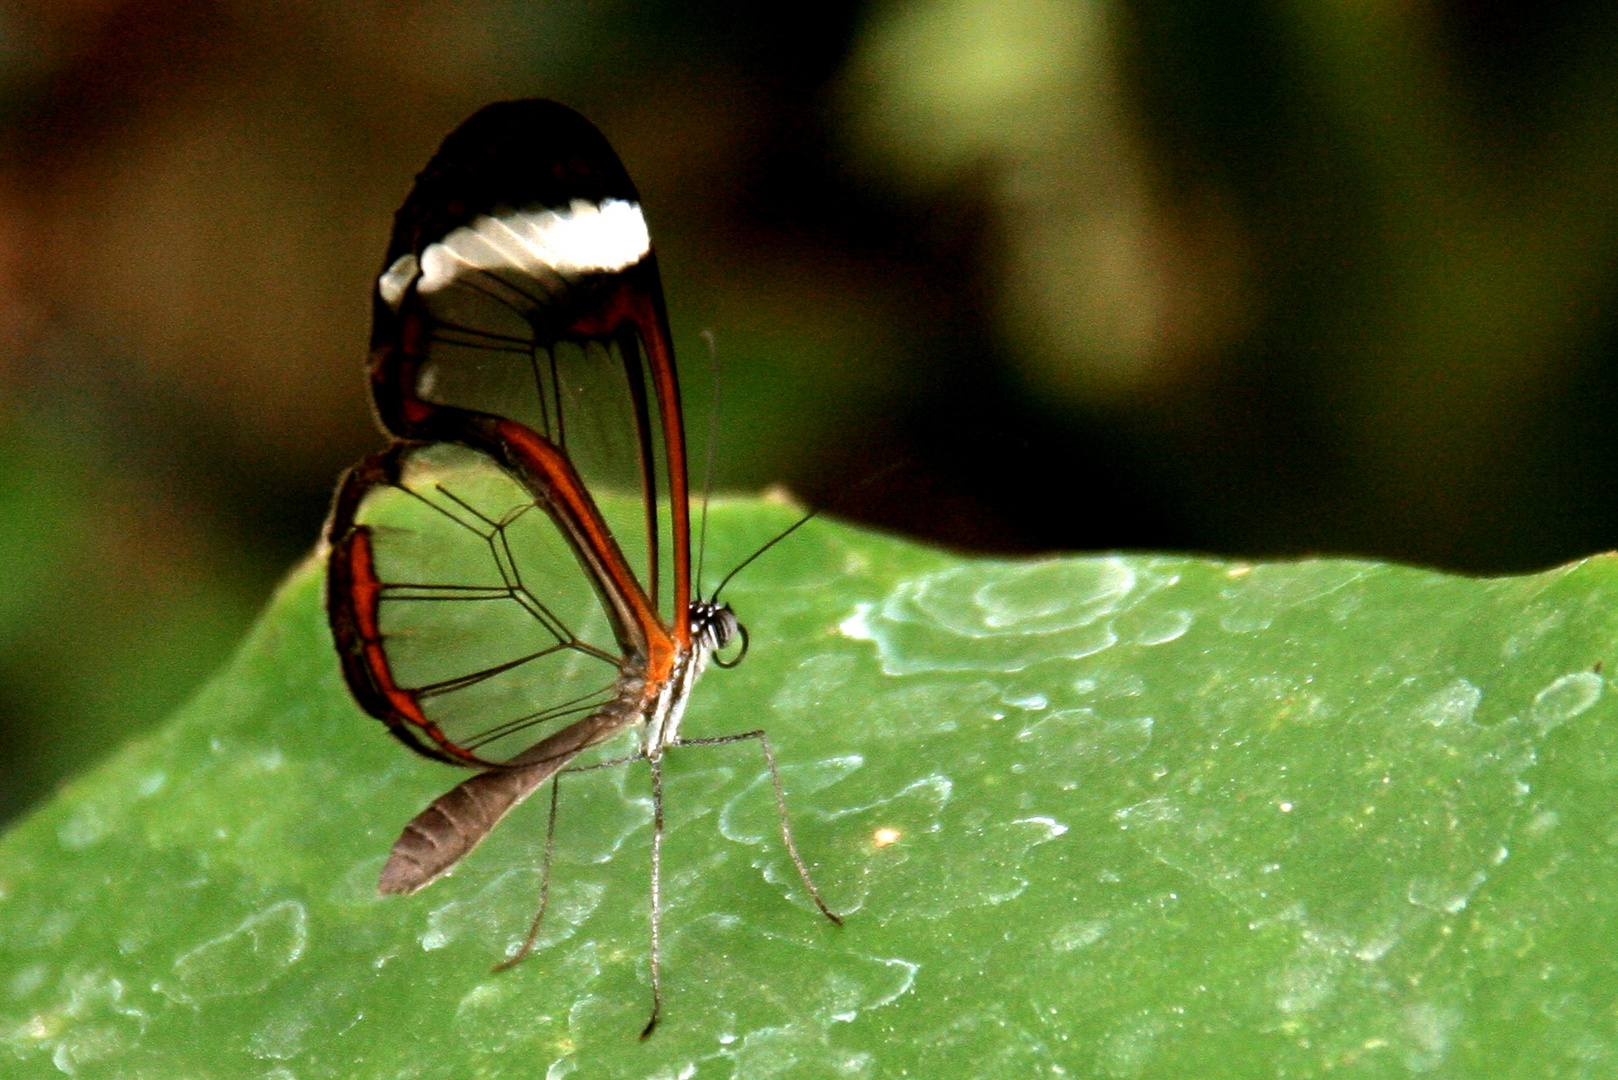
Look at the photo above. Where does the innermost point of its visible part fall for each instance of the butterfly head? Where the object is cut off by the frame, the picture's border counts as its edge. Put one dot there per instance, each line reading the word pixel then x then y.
pixel 713 627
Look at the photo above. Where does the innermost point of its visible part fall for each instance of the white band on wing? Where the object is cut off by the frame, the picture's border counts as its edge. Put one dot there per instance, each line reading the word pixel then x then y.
pixel 396 279
pixel 585 238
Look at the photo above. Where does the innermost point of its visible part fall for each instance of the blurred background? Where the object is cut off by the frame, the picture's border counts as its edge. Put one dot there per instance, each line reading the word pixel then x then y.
pixel 1229 276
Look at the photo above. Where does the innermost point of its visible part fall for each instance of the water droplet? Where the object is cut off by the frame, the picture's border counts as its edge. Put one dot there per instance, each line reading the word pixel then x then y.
pixel 1564 699
pixel 487 914
pixel 1456 703
pixel 1263 593
pixel 1078 935
pixel 1152 627
pixel 1445 897
pixel 995 616
pixel 244 961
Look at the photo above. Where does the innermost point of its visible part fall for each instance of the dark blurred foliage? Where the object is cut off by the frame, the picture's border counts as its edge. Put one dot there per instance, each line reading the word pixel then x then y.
pixel 1245 278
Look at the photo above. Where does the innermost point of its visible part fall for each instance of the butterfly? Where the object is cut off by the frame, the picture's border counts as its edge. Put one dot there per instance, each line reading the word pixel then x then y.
pixel 510 582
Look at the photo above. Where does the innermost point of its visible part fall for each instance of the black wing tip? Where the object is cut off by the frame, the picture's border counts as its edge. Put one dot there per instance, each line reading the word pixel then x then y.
pixel 523 153
pixel 533 130
pixel 522 112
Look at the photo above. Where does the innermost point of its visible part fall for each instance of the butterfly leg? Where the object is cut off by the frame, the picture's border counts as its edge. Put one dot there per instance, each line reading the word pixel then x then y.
pixel 780 807
pixel 545 866
pixel 655 760
pixel 544 881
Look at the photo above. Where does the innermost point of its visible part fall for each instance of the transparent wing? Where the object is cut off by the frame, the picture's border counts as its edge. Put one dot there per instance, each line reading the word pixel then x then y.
pixel 520 284
pixel 590 398
pixel 460 609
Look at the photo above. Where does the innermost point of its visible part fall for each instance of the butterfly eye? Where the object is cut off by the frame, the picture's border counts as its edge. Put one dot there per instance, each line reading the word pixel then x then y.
pixel 741 653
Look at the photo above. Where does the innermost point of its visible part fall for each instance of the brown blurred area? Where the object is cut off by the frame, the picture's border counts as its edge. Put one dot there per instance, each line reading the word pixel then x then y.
pixel 1242 278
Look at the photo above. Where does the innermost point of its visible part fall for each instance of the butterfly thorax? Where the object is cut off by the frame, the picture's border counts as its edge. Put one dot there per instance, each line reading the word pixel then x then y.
pixel 713 626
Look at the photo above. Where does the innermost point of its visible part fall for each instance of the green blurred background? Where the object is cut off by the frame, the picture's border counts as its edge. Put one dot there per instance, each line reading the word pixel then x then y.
pixel 1222 276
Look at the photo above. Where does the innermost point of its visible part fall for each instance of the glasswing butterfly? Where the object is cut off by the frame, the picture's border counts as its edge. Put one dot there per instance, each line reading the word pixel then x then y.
pixel 509 583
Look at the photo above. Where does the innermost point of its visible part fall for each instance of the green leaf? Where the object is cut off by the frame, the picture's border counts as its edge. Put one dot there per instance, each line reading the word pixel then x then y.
pixel 1131 816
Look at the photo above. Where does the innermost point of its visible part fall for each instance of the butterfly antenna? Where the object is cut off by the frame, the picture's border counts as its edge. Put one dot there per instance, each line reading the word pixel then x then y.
pixel 713 438
pixel 801 522
pixel 776 539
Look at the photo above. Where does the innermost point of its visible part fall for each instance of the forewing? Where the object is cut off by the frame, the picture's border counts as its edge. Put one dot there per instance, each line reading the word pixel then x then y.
pixel 521 284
